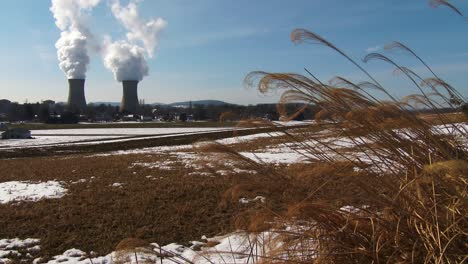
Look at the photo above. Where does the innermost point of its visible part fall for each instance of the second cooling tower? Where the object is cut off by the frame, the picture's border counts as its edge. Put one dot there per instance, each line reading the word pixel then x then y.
pixel 129 102
pixel 76 95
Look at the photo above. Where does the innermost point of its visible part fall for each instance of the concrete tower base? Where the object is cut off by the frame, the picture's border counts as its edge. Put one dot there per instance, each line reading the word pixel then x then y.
pixel 76 95
pixel 129 102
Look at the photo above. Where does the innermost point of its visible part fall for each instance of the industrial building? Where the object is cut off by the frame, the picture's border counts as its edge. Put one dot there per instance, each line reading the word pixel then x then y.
pixel 129 102
pixel 76 95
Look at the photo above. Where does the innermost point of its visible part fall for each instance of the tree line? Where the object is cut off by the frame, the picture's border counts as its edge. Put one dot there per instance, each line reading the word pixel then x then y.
pixel 50 112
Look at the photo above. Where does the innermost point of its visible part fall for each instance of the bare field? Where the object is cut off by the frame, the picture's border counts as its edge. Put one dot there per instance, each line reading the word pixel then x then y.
pixel 95 215
pixel 159 194
pixel 174 193
pixel 35 126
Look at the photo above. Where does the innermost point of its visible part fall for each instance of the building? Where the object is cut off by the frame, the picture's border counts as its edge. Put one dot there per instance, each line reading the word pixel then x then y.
pixel 144 118
pixel 129 104
pixel 103 117
pixel 76 95
pixel 49 103
pixel 3 125
pixel 5 106
pixel 16 133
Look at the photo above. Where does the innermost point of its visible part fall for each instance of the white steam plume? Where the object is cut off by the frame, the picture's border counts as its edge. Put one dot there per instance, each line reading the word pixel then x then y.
pixel 127 58
pixel 145 32
pixel 72 46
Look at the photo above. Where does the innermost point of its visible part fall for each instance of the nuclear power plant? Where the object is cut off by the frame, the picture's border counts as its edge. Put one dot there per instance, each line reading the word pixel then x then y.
pixel 125 58
pixel 77 100
pixel 129 102
pixel 76 95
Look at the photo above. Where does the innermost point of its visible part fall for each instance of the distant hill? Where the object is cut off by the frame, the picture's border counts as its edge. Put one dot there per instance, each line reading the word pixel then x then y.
pixel 118 103
pixel 106 103
pixel 199 102
pixel 177 104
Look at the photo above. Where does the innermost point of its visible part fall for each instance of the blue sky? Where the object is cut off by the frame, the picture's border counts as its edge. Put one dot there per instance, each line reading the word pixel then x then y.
pixel 209 46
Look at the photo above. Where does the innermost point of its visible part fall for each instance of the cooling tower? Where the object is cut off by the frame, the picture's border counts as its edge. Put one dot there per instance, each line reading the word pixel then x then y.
pixel 129 102
pixel 76 95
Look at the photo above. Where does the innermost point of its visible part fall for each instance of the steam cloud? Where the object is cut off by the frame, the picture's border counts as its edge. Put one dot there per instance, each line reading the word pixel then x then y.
pixel 72 46
pixel 127 58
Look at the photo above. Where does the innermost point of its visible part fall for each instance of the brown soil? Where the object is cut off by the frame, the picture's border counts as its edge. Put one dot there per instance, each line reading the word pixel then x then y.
pixel 94 216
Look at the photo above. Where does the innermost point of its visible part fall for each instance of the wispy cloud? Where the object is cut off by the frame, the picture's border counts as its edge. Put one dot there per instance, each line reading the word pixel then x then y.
pixel 211 37
pixel 374 49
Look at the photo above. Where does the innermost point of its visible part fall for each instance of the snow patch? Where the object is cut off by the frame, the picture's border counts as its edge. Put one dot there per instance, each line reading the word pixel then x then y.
pixel 244 200
pixel 17 248
pixel 17 191
pixel 248 138
pixel 274 158
pixel 232 248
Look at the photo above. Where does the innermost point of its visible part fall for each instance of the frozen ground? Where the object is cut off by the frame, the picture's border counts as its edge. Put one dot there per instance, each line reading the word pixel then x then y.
pixel 284 153
pixel 17 248
pixel 125 131
pixel 43 138
pixel 48 140
pixel 17 191
pixel 52 137
pixel 221 253
pixel 168 149
pixel 237 248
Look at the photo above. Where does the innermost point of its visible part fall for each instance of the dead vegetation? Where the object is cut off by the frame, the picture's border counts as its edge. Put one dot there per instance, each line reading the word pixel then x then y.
pixel 397 196
pixel 136 142
pixel 160 197
pixel 94 216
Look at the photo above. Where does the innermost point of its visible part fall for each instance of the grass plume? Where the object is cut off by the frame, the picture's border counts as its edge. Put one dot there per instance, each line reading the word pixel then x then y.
pixel 437 3
pixel 407 202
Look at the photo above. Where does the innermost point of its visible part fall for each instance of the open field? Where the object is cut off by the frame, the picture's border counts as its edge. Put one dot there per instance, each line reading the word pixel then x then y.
pixel 158 193
pixel 42 126
pixel 67 141
pixel 158 190
pixel 161 206
pixel 56 137
pixel 194 132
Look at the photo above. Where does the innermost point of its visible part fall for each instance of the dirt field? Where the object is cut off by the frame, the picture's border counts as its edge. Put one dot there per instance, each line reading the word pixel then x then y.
pixel 167 207
pixel 111 196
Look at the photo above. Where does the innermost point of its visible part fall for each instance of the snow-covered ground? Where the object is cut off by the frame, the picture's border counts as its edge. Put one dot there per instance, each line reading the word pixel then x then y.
pixel 248 138
pixel 79 136
pixel 48 140
pixel 168 149
pixel 237 247
pixel 15 247
pixel 294 123
pixel 285 153
pixel 126 131
pixel 17 191
pixel 43 138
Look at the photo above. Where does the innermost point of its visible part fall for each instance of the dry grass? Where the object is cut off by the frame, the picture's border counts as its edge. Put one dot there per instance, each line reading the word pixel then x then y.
pixel 437 3
pixel 136 143
pixel 403 185
pixel 170 206
pixel 94 216
pixel 398 196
